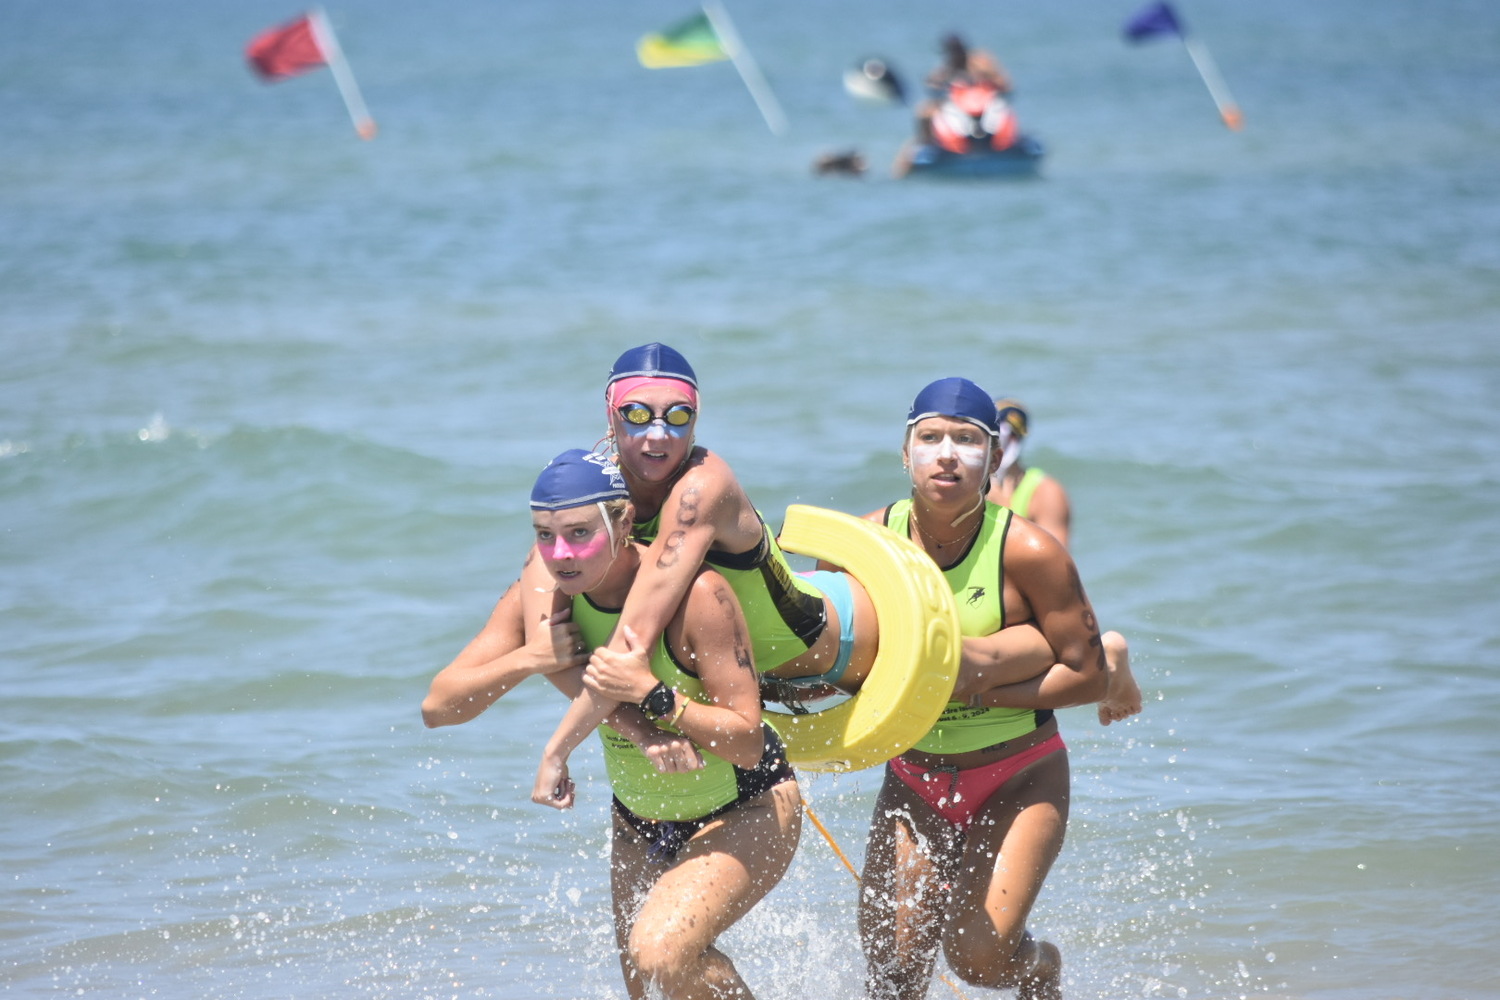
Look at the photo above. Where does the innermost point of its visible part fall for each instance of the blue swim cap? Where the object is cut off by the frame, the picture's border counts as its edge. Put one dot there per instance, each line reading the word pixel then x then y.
pixel 958 398
pixel 652 361
pixel 577 478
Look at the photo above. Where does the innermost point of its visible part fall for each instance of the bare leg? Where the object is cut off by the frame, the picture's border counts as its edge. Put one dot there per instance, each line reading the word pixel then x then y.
pixel 1123 698
pixel 632 873
pixel 1008 852
pixel 1044 981
pixel 904 893
pixel 726 869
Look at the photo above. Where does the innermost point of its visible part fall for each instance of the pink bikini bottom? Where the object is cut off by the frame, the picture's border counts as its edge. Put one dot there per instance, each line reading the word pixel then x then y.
pixel 956 795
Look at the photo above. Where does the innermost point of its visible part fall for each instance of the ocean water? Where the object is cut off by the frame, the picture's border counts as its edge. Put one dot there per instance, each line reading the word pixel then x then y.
pixel 271 399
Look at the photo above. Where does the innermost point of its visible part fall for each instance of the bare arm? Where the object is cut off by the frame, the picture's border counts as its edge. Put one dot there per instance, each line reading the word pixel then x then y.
pixel 1008 656
pixel 712 632
pixel 553 787
pixel 1048 584
pixel 706 501
pixel 498 659
pixel 540 601
pixel 709 632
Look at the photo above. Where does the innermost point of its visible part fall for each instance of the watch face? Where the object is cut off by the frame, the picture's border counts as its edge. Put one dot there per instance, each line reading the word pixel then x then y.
pixel 659 701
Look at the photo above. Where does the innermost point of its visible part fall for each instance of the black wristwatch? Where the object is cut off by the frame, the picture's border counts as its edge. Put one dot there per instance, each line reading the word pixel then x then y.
pixel 659 701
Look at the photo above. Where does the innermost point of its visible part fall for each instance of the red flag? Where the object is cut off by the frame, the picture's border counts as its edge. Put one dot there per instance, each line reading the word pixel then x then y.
pixel 287 50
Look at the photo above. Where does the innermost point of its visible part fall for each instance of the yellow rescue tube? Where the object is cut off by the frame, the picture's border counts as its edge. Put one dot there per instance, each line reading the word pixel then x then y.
pixel 912 677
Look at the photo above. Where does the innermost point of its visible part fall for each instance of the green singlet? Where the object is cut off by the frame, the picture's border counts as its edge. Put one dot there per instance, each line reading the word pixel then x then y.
pixel 1020 498
pixel 978 584
pixel 637 783
pixel 784 613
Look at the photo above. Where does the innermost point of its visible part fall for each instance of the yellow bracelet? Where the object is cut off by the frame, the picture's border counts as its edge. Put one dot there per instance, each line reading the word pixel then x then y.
pixel 681 707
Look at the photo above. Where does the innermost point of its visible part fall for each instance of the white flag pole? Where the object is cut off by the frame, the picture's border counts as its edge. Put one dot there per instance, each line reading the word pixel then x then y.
pixel 1217 88
pixel 760 90
pixel 328 42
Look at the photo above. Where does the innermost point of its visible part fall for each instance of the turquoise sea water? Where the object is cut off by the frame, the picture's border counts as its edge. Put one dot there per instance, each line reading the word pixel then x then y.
pixel 271 399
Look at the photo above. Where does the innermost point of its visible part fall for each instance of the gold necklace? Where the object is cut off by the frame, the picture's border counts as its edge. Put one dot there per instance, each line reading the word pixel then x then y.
pixel 961 540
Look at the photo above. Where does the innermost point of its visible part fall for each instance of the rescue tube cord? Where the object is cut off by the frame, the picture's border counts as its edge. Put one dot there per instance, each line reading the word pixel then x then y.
pixel 808 810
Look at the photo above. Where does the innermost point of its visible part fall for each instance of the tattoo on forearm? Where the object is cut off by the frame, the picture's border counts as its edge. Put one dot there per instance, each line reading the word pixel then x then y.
pixel 671 551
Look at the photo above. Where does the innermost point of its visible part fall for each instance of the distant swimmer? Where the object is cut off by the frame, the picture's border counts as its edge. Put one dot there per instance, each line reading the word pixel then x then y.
pixel 847 163
pixel 875 81
pixel 1041 499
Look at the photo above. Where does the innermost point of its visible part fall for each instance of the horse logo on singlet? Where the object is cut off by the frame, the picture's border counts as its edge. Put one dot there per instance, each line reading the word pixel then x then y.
pixel 976 594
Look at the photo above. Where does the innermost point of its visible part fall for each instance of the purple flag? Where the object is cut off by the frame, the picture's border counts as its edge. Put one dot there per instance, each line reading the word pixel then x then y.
pixel 1154 21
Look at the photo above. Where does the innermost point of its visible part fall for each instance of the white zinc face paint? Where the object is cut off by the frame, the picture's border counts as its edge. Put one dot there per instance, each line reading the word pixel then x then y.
pixel 975 456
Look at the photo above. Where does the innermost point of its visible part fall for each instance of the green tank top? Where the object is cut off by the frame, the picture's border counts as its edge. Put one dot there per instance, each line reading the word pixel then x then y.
pixel 978 584
pixel 1020 497
pixel 636 782
pixel 783 612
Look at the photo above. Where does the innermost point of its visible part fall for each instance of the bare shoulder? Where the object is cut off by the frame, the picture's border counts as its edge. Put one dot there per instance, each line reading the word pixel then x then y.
pixel 710 598
pixel 1029 544
pixel 707 469
pixel 707 481
pixel 507 611
pixel 709 621
pixel 1050 490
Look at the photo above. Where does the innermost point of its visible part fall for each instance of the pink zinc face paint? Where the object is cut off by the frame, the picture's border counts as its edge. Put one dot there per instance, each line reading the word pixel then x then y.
pixel 557 549
pixel 577 547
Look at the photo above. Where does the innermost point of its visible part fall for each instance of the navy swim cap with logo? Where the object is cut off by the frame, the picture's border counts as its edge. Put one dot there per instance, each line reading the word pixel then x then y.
pixel 577 478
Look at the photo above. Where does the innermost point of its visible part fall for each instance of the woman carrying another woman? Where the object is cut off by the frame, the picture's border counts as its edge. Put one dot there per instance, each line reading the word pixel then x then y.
pixel 969 821
pixel 692 852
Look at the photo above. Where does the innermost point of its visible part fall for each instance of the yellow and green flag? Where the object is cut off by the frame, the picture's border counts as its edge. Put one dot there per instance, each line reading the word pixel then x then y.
pixel 689 43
